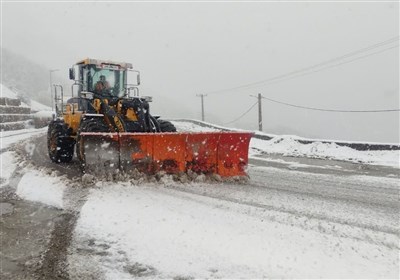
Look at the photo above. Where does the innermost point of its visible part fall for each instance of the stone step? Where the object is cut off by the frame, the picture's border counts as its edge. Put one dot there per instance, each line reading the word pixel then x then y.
pixel 14 110
pixel 15 125
pixel 10 101
pixel 4 118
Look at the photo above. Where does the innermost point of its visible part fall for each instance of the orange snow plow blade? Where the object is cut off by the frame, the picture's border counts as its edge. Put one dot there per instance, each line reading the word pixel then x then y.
pixel 223 153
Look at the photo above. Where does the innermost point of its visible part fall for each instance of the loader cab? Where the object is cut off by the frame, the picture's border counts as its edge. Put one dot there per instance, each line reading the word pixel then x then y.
pixel 112 76
pixel 89 76
pixel 88 72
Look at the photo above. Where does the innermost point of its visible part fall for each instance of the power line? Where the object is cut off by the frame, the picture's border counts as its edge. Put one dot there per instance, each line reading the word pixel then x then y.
pixel 242 115
pixel 331 110
pixel 318 65
pixel 314 66
pixel 334 65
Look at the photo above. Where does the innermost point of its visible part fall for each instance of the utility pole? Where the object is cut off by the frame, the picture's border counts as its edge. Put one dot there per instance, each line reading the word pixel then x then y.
pixel 259 98
pixel 259 112
pixel 202 105
pixel 51 91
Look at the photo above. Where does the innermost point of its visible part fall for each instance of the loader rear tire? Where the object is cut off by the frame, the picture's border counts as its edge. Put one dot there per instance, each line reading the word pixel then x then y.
pixel 59 143
pixel 154 125
pixel 166 126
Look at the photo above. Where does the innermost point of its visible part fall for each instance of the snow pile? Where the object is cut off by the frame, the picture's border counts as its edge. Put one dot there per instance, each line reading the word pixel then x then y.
pixel 8 165
pixel 36 186
pixel 6 92
pixel 289 146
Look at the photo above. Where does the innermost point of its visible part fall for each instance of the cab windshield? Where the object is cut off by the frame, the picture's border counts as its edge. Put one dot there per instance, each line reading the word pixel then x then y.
pixel 105 81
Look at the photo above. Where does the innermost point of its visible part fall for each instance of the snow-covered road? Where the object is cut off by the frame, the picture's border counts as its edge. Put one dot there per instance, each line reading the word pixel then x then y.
pixel 7 138
pixel 290 220
pixel 270 228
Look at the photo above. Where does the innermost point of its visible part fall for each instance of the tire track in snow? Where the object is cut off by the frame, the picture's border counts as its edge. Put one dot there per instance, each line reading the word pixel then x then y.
pixel 54 263
pixel 307 220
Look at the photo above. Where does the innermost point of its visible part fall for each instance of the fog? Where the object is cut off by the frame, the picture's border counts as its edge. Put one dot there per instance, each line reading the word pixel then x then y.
pixel 186 49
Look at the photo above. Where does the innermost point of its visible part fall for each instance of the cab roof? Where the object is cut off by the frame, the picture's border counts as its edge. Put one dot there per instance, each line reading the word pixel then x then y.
pixel 101 63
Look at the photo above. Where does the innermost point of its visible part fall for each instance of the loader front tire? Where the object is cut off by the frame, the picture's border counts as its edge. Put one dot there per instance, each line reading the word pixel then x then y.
pixel 88 125
pixel 59 143
pixel 166 126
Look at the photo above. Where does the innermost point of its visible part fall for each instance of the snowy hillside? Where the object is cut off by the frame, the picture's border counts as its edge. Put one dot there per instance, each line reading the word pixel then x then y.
pixel 6 92
pixel 36 106
pixel 31 78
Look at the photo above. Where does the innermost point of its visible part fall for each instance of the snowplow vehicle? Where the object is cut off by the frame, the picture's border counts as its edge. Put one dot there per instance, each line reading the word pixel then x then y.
pixel 111 128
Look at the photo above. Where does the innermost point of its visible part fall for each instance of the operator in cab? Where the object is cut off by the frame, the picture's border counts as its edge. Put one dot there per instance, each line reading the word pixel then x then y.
pixel 102 86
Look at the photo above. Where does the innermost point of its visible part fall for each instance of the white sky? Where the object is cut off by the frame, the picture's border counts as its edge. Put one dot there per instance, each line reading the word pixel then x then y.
pixel 184 49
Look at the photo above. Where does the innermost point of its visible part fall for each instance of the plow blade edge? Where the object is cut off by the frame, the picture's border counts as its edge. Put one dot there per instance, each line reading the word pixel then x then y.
pixel 223 153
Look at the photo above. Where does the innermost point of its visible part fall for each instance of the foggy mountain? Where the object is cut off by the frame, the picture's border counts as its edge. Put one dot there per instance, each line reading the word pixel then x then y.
pixel 29 79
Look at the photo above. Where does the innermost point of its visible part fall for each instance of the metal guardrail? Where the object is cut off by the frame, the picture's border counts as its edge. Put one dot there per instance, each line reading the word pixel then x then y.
pixel 356 146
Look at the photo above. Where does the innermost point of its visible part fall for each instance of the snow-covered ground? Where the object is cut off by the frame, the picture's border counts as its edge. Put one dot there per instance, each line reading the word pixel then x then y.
pixel 37 186
pixel 7 138
pixel 202 230
pixel 280 224
pixel 178 234
pixel 8 159
pixel 288 146
pixel 8 164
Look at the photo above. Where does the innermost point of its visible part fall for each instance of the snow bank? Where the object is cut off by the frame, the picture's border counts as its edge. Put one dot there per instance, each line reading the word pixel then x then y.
pixel 8 165
pixel 288 146
pixel 36 186
pixel 180 235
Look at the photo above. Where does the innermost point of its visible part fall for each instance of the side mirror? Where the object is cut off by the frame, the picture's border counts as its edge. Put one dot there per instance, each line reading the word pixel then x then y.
pixel 133 78
pixel 71 74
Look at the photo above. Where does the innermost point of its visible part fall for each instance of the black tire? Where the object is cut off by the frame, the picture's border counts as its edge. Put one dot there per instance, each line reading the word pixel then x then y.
pixel 89 125
pixel 154 125
pixel 166 126
pixel 59 142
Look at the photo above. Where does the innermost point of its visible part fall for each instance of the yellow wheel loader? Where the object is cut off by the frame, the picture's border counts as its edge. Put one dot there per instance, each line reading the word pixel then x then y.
pixel 112 129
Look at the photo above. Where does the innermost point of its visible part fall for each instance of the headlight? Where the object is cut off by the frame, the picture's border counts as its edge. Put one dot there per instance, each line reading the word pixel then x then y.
pixel 87 95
